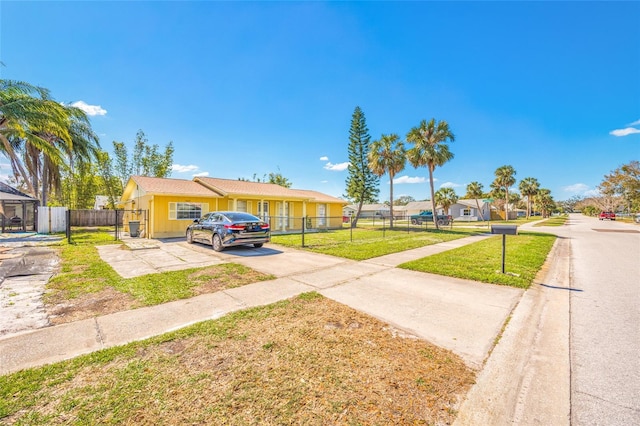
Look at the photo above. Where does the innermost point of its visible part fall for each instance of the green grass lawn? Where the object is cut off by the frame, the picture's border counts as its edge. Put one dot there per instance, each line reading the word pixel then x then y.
pixel 366 243
pixel 83 271
pixel 482 261
pixel 553 221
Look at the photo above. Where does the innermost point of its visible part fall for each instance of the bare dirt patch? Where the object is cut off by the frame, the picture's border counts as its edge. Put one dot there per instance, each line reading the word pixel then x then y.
pixel 217 281
pixel 89 305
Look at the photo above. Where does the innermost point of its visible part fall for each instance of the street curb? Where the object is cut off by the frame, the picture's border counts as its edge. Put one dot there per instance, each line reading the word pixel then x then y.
pixel 526 379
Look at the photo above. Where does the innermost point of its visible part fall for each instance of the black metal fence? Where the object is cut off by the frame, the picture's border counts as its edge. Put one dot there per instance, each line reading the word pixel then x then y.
pixel 381 226
pixel 133 222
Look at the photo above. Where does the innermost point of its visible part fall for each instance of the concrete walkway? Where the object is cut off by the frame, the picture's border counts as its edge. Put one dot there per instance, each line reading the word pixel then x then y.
pixel 460 315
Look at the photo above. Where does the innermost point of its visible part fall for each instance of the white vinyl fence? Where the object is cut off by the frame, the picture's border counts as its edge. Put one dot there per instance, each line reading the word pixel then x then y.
pixel 52 219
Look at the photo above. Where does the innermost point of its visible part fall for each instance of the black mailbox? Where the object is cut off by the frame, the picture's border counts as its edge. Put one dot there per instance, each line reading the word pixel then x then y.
pixel 504 229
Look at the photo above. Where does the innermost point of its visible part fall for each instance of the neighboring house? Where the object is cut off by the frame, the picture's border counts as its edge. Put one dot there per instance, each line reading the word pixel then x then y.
pixel 370 211
pixel 102 202
pixel 17 210
pixel 467 210
pixel 166 206
pixel 463 210
pixel 417 207
pixel 349 211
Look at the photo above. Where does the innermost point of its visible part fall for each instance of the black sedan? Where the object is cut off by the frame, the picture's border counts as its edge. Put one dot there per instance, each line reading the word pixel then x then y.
pixel 227 229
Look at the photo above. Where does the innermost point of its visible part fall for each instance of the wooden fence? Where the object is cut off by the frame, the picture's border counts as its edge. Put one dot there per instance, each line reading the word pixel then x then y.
pixel 94 218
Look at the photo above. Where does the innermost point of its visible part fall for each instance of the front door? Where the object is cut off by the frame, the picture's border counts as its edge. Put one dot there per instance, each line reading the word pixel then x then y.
pixel 283 215
pixel 263 211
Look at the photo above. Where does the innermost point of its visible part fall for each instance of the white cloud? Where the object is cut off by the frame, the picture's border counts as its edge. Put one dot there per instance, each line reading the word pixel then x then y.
pixel 408 179
pixel 575 188
pixel 324 181
pixel 624 132
pixel 183 169
pixel 635 123
pixel 451 185
pixel 90 109
pixel 337 167
pixel 324 158
pixel 201 174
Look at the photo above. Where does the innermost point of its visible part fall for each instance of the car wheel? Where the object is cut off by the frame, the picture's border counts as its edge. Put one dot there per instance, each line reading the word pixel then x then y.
pixel 189 236
pixel 414 222
pixel 258 245
pixel 441 222
pixel 216 242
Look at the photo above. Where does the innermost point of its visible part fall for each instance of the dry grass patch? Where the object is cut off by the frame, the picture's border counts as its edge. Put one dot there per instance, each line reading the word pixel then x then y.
pixel 308 360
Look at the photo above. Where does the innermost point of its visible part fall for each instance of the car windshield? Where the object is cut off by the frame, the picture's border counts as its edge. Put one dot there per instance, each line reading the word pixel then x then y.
pixel 241 217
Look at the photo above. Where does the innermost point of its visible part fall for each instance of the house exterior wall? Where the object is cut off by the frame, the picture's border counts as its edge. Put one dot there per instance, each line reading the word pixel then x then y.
pixel 458 212
pixel 157 222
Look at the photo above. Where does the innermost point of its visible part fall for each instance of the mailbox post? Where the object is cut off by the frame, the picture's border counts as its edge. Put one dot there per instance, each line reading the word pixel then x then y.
pixel 504 230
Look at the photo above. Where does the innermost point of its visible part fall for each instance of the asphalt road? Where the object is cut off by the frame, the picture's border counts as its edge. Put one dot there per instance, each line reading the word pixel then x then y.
pixel 604 321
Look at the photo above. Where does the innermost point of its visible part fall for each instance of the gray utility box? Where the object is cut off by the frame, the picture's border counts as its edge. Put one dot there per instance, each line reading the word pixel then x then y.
pixel 134 228
pixel 504 229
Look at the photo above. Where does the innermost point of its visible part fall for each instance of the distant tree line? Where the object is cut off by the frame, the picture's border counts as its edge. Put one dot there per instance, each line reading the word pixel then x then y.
pixel 619 191
pixel 429 147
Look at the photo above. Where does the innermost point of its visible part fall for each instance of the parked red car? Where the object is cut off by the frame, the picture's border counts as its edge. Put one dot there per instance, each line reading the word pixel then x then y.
pixel 607 215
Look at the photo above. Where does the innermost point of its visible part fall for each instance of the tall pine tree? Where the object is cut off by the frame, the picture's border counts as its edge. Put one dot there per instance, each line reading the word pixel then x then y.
pixel 362 183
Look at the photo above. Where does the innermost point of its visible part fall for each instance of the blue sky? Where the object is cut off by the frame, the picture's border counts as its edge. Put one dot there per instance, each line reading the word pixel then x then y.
pixel 244 88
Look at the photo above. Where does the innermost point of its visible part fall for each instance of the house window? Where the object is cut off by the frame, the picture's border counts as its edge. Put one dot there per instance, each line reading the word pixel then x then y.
pixel 187 211
pixel 241 206
pixel 466 212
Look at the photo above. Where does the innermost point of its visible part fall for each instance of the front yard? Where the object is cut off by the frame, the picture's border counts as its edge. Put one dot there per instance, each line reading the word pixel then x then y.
pixel 307 360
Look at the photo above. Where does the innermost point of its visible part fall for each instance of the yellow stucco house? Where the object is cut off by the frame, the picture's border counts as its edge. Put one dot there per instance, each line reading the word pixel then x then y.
pixel 165 207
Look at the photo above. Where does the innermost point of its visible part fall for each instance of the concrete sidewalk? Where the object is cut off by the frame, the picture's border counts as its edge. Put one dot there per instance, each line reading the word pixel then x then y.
pixel 460 315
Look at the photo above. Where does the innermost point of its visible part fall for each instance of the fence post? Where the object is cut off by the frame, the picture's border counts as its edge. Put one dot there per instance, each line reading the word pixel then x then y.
pixel 383 227
pixel 304 222
pixel 68 230
pixel 116 225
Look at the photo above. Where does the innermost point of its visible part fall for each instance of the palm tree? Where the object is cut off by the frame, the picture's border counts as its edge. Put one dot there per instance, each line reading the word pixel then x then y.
pixel 529 187
pixel 544 201
pixel 505 178
pixel 38 129
pixel 446 197
pixel 74 143
pixel 21 106
pixel 387 155
pixel 474 190
pixel 430 149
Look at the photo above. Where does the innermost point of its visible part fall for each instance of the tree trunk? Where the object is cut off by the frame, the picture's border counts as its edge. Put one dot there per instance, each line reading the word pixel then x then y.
pixel 45 182
pixel 506 203
pixel 433 198
pixel 391 200
pixel 354 223
pixel 479 212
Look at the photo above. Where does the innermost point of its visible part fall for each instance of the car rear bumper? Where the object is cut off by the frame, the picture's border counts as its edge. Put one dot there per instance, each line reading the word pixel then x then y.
pixel 234 240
